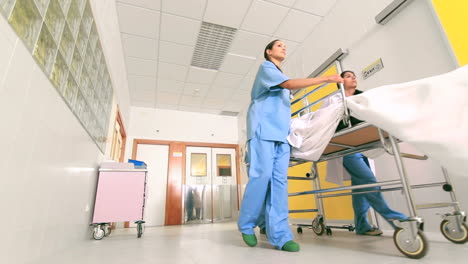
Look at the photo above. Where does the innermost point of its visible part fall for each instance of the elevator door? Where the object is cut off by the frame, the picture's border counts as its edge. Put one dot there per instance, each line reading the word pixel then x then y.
pixel 210 185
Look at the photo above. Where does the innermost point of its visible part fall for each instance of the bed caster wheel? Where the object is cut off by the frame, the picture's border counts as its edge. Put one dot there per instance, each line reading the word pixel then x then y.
pixel 412 247
pixel 98 233
pixel 329 231
pixel 107 230
pixel 299 230
pixel 140 228
pixel 318 227
pixel 454 233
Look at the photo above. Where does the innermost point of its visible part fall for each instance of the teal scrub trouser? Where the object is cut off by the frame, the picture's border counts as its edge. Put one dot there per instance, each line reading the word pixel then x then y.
pixel 266 195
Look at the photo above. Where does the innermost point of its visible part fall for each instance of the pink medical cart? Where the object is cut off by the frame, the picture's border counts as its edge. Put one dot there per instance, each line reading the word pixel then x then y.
pixel 120 197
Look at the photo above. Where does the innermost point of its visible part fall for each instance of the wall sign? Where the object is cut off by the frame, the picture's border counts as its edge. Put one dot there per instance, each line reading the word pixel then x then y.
pixel 373 68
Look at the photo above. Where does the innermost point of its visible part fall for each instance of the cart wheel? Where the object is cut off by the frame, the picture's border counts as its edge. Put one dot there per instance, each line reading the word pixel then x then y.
pixel 139 230
pixel 451 233
pixel 329 231
pixel 412 248
pixel 98 233
pixel 107 230
pixel 318 228
pixel 299 230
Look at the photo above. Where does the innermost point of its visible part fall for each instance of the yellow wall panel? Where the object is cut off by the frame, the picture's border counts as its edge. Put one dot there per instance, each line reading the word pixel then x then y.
pixel 336 208
pixel 452 15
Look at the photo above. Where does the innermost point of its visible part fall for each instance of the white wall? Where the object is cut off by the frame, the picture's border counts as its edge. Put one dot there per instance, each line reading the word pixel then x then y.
pixel 180 126
pixel 411 47
pixel 48 161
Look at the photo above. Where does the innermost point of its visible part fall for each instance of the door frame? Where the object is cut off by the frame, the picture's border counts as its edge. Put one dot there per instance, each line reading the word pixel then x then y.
pixel 176 173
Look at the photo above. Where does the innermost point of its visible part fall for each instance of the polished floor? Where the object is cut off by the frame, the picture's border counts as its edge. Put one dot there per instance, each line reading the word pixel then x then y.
pixel 221 244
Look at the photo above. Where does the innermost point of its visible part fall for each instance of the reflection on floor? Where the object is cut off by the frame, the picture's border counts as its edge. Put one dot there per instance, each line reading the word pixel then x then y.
pixel 221 243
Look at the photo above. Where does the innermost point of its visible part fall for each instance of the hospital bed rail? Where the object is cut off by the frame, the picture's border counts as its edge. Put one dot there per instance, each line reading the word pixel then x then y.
pixel 408 237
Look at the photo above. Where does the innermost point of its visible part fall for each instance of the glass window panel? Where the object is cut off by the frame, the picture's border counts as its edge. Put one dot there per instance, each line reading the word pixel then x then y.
pixel 45 50
pixel 65 4
pixel 79 105
pixel 82 40
pixel 6 6
pixel 55 20
pixel 198 165
pixel 42 6
pixel 93 37
pixel 73 19
pixel 85 86
pixel 76 64
pixel 223 164
pixel 80 4
pixel 66 44
pixel 59 72
pixel 26 21
pixel 70 91
pixel 87 19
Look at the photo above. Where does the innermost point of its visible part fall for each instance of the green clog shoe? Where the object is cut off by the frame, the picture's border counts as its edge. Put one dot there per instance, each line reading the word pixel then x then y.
pixel 291 246
pixel 250 240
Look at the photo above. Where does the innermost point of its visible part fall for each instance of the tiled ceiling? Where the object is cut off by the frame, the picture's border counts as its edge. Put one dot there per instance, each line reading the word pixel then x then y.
pixel 159 38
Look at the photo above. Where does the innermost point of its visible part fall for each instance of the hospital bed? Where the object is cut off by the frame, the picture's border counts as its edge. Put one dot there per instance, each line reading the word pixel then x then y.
pixel 408 237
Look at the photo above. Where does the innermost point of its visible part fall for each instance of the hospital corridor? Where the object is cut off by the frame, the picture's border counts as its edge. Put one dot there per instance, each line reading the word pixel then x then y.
pixel 248 131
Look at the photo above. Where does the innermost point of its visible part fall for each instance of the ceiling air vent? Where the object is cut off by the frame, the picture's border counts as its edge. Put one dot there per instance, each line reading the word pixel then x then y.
pixel 229 113
pixel 212 45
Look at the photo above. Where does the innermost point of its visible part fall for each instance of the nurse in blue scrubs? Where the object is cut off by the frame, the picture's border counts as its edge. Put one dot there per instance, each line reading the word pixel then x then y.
pixel 265 199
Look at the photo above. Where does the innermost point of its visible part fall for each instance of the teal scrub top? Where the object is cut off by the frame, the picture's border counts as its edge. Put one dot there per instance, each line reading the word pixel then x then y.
pixel 269 113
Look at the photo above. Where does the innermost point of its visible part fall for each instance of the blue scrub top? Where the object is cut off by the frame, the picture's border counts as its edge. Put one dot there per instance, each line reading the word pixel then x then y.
pixel 269 113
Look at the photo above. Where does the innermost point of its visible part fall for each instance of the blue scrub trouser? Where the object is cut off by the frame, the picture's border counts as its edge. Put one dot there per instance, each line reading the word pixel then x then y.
pixel 266 195
pixel 358 167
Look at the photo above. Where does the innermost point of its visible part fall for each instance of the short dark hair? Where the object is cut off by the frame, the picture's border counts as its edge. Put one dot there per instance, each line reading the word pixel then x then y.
pixel 269 47
pixel 343 73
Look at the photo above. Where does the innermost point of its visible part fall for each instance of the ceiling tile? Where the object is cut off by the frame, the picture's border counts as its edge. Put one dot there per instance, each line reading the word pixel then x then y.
pixel 242 96
pixel 237 64
pixel 287 3
pixel 142 104
pixel 175 53
pixel 167 98
pixel 138 83
pixel 248 44
pixel 170 86
pixel 192 8
pixel 317 7
pixel 222 93
pixel 233 106
pixel 172 71
pixel 187 100
pixel 254 69
pixel 195 89
pixel 179 29
pixel 211 102
pixel 139 66
pixel 247 83
pixel 202 76
pixel 297 26
pixel 264 17
pixel 224 12
pixel 228 80
pixel 148 18
pixel 189 108
pixel 151 4
pixel 167 106
pixel 135 46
